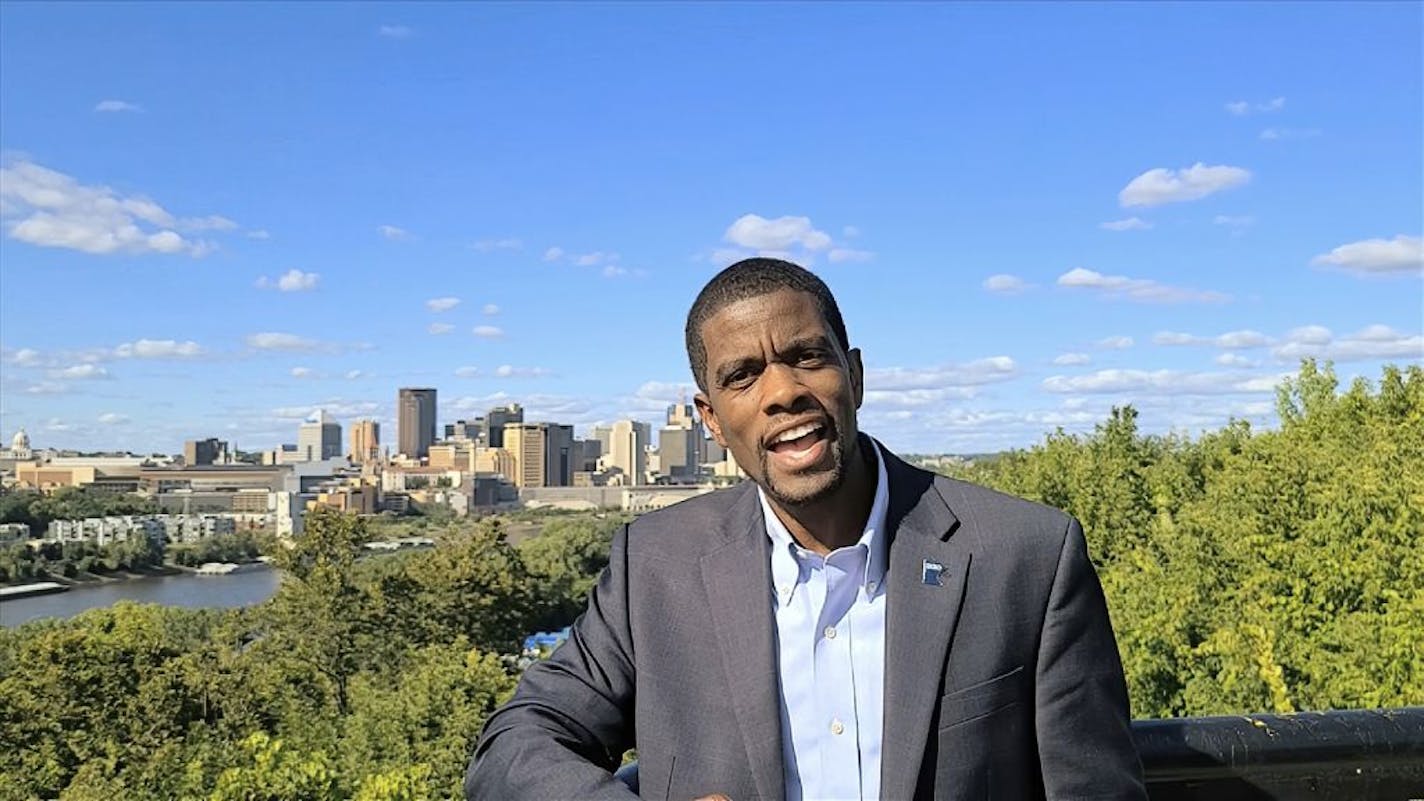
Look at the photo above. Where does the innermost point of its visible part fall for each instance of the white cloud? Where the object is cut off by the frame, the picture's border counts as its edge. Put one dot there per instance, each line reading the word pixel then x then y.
pixel 1242 108
pixel 352 375
pixel 56 424
pixel 781 234
pixel 116 106
pixel 336 407
pixel 487 332
pixel 212 222
pixel 159 349
pixel 303 372
pixel 1115 343
pixel 490 310
pixel 439 328
pixel 24 357
pixel 467 372
pixel 1160 381
pixel 1007 284
pixel 280 341
pixel 1371 342
pixel 438 305
pixel 975 373
pixel 113 418
pixel 79 372
pixel 1137 289
pixel 614 271
pixel 593 259
pixel 1129 224
pixel 1240 221
pixel 841 255
pixel 488 245
pixel 510 371
pixel 395 31
pixel 291 281
pixel 393 233
pixel 1161 185
pixel 850 232
pixel 50 209
pixel 258 234
pixel 553 254
pixel 1403 254
pixel 1231 340
pixel 1277 134
pixel 1071 359
pixel 1234 360
pixel 46 388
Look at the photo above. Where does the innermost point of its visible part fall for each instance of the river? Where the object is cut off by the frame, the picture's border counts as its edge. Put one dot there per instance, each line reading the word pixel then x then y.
pixel 186 589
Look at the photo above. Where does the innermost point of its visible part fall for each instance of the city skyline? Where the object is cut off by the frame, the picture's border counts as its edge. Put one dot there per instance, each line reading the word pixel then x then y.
pixel 518 203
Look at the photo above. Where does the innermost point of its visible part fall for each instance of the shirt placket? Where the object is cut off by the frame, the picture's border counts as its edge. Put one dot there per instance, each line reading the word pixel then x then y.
pixel 835 680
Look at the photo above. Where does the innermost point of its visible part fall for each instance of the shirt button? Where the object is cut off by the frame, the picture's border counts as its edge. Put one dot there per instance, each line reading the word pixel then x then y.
pixel 830 632
pixel 837 727
pixel 784 589
pixel 870 586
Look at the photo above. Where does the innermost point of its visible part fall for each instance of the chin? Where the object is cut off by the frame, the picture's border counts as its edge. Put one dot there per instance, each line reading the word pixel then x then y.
pixel 799 490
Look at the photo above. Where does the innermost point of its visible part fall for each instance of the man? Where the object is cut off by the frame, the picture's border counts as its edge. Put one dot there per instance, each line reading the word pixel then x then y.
pixel 844 625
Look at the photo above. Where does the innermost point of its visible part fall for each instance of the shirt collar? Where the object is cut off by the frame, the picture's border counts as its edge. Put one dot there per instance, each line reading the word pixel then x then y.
pixel 785 571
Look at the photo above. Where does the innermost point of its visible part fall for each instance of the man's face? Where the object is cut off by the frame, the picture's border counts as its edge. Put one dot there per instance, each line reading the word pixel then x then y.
pixel 782 394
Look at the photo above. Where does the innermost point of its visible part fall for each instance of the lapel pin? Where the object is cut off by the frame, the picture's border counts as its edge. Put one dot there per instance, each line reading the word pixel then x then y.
pixel 932 574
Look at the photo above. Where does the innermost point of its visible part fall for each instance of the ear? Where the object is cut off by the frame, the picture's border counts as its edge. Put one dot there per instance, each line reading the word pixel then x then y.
pixel 709 417
pixel 857 375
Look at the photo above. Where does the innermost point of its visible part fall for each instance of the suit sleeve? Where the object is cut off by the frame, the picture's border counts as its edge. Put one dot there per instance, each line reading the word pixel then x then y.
pixel 571 718
pixel 1082 719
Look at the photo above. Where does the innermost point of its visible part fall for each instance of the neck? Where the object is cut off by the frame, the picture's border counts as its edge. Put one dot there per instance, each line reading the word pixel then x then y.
pixel 839 520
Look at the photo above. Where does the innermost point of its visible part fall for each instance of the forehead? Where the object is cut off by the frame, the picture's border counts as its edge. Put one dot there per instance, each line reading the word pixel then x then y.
pixel 773 319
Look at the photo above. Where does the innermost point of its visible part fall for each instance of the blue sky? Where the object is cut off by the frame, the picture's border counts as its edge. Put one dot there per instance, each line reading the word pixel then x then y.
pixel 217 218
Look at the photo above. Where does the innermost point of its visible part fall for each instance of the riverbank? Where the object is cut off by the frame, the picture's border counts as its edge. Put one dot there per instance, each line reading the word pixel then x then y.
pixel 91 579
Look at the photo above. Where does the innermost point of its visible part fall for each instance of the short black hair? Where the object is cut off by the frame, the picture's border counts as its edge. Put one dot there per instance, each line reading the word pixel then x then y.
pixel 750 278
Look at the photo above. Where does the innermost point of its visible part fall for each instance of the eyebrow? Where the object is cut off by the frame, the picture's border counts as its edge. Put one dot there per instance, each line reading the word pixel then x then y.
pixel 818 341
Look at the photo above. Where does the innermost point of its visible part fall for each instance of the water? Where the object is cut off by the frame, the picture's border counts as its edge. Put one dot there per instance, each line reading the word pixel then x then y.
pixel 195 592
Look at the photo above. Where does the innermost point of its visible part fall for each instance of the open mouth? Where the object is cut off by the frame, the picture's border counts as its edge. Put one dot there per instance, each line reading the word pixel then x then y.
pixel 801 445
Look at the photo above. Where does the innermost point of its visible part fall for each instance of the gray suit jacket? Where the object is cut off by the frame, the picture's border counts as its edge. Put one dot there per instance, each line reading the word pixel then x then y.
pixel 1002 682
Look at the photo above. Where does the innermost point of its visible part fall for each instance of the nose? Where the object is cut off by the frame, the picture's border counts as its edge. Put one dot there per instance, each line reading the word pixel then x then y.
pixel 782 390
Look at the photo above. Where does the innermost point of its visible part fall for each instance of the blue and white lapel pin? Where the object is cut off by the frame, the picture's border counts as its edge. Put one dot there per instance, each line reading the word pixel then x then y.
pixel 932 574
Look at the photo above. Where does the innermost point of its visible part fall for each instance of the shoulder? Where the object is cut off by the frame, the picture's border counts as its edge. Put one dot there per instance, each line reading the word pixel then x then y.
pixel 980 506
pixel 689 528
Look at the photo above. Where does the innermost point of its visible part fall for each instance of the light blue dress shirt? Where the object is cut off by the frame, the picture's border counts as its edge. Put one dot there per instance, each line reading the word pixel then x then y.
pixel 830 627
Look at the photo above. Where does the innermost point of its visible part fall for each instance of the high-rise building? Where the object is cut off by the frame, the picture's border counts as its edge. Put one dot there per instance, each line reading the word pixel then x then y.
pixel 415 422
pixel 499 417
pixel 467 429
pixel 365 441
pixel 204 451
pixel 543 453
pixel 318 438
pixel 628 444
pixel 677 453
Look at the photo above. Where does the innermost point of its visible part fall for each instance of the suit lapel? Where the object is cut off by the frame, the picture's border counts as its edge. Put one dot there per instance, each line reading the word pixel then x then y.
pixel 737 576
pixel 920 619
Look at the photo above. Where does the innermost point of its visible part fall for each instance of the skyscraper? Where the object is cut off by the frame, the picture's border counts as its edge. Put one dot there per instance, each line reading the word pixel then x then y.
pixel 365 441
pixel 499 417
pixel 543 453
pixel 319 437
pixel 415 421
pixel 198 452
pixel 628 444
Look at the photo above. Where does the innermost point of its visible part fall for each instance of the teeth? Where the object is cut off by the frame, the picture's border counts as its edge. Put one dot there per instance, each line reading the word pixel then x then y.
pixel 798 432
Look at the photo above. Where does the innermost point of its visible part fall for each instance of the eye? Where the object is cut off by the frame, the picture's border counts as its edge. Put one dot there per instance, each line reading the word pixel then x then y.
pixel 811 358
pixel 740 377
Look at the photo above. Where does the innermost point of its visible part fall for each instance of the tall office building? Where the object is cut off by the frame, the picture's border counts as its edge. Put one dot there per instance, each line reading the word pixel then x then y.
pixel 365 441
pixel 499 417
pixel 467 429
pixel 415 422
pixel 204 451
pixel 543 453
pixel 678 456
pixel 318 438
pixel 627 451
pixel 681 443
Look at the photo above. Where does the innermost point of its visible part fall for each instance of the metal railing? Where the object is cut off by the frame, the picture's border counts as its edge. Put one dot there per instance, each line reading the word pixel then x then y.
pixel 1349 755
